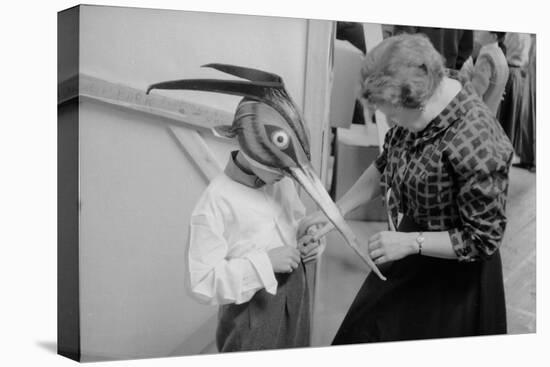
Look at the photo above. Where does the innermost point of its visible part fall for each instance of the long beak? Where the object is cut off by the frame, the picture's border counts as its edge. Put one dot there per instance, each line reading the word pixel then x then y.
pixel 252 90
pixel 259 86
pixel 253 75
pixel 307 178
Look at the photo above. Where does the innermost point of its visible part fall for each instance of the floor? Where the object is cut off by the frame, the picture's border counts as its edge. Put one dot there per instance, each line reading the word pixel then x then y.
pixel 341 273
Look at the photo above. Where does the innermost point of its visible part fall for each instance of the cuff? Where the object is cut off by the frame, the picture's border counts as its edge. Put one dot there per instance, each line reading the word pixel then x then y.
pixel 261 263
pixel 465 250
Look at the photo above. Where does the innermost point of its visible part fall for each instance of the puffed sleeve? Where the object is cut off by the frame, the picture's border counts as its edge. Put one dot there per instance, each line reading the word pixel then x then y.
pixel 481 75
pixel 480 156
pixel 215 278
pixel 382 159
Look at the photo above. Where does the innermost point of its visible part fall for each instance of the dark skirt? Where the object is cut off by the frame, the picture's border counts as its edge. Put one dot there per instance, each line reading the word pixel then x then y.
pixel 268 321
pixel 509 113
pixel 527 141
pixel 426 297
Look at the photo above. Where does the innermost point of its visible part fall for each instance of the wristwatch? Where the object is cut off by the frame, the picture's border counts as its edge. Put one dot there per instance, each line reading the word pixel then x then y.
pixel 420 241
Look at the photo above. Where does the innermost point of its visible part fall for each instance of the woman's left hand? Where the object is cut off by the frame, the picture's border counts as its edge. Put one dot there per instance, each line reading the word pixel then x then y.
pixel 390 246
pixel 310 249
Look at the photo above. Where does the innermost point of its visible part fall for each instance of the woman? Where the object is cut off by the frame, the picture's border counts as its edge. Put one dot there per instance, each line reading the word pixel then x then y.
pixel 527 138
pixel 509 114
pixel 444 175
pixel 490 72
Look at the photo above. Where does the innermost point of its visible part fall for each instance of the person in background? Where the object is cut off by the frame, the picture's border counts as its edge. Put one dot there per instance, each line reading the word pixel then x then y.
pixel 455 45
pixel 443 174
pixel 490 71
pixel 509 114
pixel 527 140
pixel 353 33
pixel 387 30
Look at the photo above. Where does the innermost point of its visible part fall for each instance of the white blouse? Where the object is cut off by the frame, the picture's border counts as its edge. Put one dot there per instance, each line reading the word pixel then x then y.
pixel 233 226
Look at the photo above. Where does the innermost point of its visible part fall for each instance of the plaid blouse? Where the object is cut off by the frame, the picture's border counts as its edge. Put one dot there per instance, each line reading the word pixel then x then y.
pixel 452 176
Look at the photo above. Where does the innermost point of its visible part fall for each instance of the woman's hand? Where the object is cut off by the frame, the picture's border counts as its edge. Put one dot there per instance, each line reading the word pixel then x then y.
pixel 390 246
pixel 310 249
pixel 316 220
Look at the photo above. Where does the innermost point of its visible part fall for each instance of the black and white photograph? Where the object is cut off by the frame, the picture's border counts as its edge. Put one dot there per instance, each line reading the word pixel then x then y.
pixel 226 181
pixel 226 189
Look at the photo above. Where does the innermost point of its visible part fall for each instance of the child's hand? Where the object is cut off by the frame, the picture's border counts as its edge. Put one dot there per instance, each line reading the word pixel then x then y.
pixel 308 247
pixel 284 259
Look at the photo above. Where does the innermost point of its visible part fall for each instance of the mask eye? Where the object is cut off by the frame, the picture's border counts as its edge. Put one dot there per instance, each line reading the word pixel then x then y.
pixel 280 139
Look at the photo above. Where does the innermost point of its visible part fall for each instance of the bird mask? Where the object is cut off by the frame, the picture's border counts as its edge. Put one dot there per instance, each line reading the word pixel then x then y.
pixel 271 131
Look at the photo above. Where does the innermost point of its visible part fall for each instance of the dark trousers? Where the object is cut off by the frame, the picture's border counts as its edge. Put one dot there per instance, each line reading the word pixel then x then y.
pixel 268 321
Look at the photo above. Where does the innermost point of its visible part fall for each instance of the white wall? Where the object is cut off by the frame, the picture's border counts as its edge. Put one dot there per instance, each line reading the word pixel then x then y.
pixel 137 188
pixel 139 47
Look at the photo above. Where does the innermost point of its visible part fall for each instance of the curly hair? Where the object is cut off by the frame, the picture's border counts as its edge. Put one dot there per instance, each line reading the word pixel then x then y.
pixel 403 70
